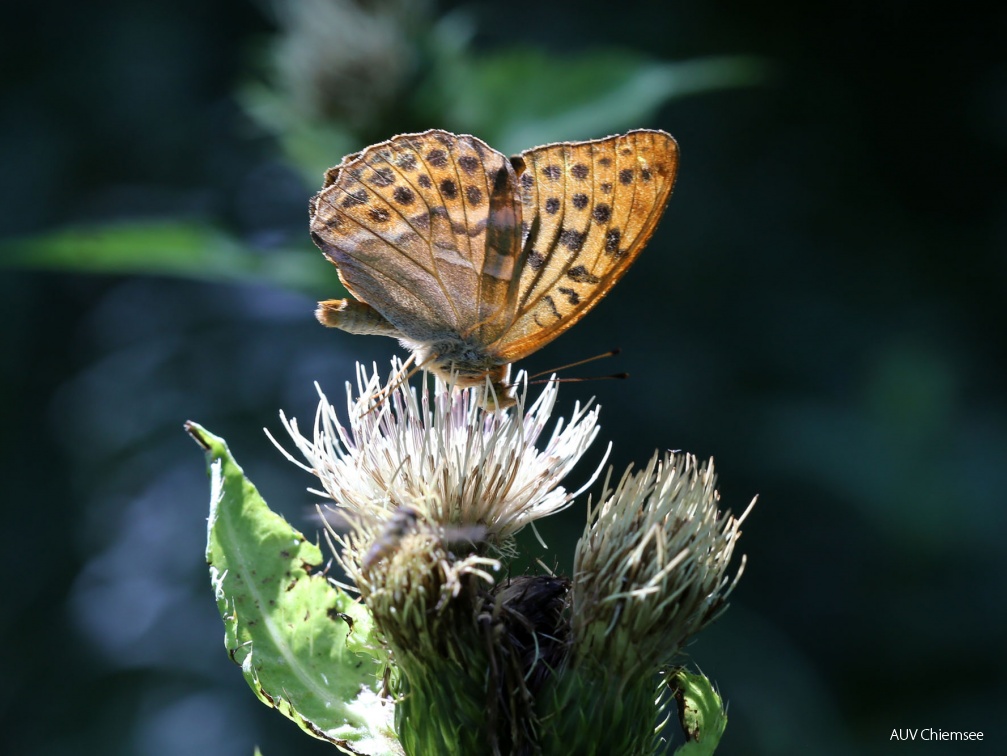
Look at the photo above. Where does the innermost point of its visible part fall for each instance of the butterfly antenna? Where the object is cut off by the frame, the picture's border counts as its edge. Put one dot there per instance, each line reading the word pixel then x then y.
pixel 614 376
pixel 603 355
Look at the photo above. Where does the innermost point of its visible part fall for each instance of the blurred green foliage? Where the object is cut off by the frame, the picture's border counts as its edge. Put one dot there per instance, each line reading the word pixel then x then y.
pixel 162 248
pixel 313 93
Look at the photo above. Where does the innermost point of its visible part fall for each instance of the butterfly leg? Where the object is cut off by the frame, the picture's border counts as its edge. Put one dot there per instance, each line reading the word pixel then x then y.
pixel 355 317
pixel 497 390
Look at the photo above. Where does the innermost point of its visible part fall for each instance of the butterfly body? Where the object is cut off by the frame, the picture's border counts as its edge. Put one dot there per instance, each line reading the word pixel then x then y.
pixel 452 356
pixel 473 260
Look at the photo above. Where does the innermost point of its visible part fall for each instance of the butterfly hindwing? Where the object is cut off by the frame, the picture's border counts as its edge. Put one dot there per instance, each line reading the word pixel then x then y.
pixel 588 208
pixel 407 222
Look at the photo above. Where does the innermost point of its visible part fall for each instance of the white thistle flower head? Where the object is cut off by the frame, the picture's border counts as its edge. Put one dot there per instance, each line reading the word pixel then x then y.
pixel 442 456
pixel 651 567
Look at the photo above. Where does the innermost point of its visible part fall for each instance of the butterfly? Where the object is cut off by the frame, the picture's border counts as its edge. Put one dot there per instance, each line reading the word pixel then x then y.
pixel 474 260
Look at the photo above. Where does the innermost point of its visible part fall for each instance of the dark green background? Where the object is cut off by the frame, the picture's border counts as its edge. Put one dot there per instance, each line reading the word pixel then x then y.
pixel 821 310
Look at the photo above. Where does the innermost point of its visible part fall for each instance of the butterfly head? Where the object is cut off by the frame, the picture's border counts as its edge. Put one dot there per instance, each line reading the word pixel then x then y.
pixel 465 364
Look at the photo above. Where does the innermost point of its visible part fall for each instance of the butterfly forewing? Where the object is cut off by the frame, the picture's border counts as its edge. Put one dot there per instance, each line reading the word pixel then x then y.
pixel 407 223
pixel 588 208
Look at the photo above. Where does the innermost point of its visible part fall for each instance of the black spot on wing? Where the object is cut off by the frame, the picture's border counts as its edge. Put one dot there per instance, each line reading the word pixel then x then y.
pixel 602 212
pixel 571 296
pixel 612 238
pixel 352 199
pixel 580 274
pixel 552 305
pixel 382 177
pixel 403 195
pixel 572 239
pixel 449 189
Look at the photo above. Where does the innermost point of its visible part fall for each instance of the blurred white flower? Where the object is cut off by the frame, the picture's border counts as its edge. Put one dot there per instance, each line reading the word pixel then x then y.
pixel 345 61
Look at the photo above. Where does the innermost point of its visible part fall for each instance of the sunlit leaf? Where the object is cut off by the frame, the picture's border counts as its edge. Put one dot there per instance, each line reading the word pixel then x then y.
pixel 305 647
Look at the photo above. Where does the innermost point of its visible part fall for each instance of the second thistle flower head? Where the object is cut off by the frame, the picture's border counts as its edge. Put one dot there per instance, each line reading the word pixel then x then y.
pixel 651 569
pixel 442 458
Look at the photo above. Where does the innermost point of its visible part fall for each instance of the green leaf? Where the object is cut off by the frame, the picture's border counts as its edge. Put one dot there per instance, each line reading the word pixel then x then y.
pixel 520 98
pixel 172 248
pixel 305 647
pixel 700 711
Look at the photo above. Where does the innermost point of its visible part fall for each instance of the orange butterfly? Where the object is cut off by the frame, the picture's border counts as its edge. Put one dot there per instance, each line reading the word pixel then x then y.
pixel 473 260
